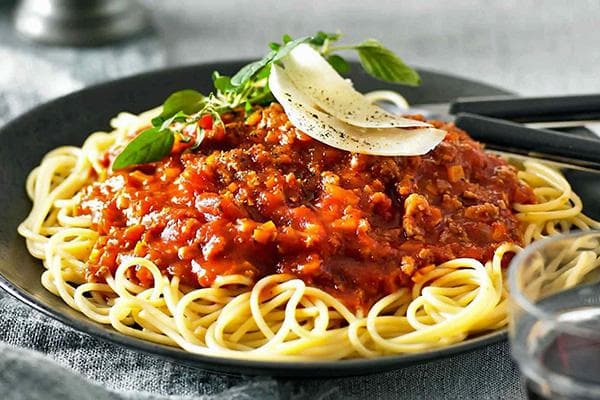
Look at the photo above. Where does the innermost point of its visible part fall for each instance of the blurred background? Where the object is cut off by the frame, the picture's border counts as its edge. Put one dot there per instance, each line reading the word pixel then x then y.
pixel 527 46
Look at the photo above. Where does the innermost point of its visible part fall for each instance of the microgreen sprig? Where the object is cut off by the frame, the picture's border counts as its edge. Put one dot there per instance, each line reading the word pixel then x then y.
pixel 248 88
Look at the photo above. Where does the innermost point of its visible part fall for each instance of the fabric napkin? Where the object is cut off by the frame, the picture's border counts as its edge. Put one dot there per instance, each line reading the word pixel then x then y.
pixel 78 366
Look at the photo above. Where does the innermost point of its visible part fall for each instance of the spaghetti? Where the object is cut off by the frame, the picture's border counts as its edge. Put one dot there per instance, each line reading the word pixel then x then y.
pixel 277 316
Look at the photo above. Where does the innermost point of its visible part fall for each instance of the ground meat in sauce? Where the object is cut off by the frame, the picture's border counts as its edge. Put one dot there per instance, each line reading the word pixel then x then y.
pixel 261 198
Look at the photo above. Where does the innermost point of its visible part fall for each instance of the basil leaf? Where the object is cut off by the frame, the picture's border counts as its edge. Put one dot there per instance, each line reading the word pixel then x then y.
pixel 223 83
pixel 247 108
pixel 149 146
pixel 289 46
pixel 263 73
pixel 320 37
pixel 383 64
pixel 338 63
pixel 157 121
pixel 286 38
pixel 189 101
pixel 264 99
pixel 247 71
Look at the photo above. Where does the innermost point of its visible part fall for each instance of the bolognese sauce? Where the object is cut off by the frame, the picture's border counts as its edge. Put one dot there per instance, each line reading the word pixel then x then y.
pixel 259 197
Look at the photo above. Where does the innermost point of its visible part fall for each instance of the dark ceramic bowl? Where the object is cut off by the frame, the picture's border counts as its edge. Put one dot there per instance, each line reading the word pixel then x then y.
pixel 69 119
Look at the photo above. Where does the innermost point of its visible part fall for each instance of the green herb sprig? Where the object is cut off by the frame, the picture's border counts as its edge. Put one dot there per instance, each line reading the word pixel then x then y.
pixel 248 88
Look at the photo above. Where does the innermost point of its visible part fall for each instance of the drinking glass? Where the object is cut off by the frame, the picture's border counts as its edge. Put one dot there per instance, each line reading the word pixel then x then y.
pixel 554 327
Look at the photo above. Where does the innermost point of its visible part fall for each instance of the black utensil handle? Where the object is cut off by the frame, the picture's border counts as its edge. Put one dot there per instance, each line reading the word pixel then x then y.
pixel 527 109
pixel 514 135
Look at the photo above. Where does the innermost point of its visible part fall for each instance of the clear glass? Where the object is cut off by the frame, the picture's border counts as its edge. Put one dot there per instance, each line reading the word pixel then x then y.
pixel 554 326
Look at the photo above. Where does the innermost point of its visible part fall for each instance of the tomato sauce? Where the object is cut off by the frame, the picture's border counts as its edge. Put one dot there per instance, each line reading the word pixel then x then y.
pixel 260 197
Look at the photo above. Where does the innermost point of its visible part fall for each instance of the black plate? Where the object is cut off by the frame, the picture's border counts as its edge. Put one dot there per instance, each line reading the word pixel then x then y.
pixel 69 119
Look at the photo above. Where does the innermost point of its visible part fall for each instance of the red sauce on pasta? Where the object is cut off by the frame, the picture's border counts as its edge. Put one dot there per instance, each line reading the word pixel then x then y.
pixel 261 198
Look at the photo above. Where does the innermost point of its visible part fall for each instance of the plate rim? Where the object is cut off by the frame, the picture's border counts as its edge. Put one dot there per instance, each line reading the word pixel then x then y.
pixel 309 368
pixel 296 369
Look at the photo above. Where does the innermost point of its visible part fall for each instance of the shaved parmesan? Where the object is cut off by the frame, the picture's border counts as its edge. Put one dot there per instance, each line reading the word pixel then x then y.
pixel 305 114
pixel 387 96
pixel 313 75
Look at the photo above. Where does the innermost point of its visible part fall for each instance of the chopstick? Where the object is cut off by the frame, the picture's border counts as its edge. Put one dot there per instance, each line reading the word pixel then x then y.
pixel 532 109
pixel 511 135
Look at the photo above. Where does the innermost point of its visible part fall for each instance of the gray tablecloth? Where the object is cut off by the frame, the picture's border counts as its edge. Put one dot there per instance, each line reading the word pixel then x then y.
pixel 533 47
